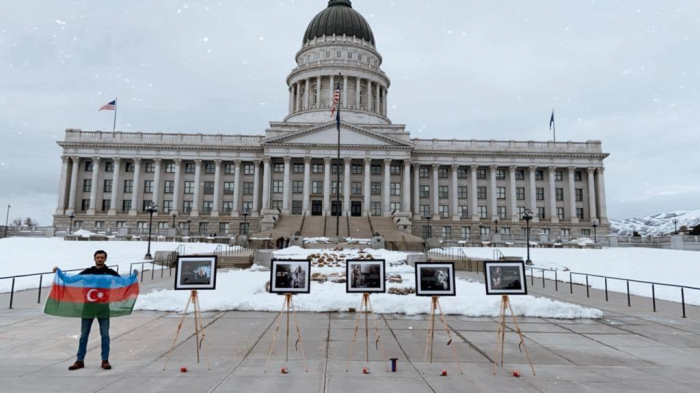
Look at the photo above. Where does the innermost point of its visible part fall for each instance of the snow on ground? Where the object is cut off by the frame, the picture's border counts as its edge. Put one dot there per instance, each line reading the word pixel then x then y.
pixel 245 290
pixel 35 255
pixel 644 264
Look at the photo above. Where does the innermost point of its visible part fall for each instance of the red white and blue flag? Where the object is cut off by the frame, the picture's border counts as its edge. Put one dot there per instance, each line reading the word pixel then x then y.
pixel 336 100
pixel 110 106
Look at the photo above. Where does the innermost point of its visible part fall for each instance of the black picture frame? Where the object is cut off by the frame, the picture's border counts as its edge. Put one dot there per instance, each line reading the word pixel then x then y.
pixel 511 279
pixel 196 273
pixel 282 280
pixel 372 284
pixel 428 286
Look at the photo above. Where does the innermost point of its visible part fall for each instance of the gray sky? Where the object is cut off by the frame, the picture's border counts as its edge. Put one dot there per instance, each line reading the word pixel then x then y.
pixel 624 72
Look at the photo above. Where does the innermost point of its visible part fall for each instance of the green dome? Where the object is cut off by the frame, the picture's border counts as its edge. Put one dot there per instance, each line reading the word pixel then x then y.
pixel 339 19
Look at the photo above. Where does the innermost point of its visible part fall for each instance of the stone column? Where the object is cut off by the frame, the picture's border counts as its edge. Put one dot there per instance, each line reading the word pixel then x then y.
pixel 115 187
pixel 591 193
pixel 345 91
pixel 307 185
pixel 406 205
pixel 533 194
pixel 379 99
pixel 387 188
pixel 602 209
pixel 455 193
pixel 572 196
pixel 197 188
pixel 326 186
pixel 156 185
pixel 62 186
pixel 492 191
pixel 331 91
pixel 236 189
pixel 177 184
pixel 73 185
pixel 370 101
pixel 346 185
pixel 552 195
pixel 434 193
pixel 95 183
pixel 386 100
pixel 291 99
pixel 358 89
pixel 267 177
pixel 286 186
pixel 512 198
pixel 136 189
pixel 368 186
pixel 297 106
pixel 473 206
pixel 318 92
pixel 217 188
pixel 307 89
pixel 416 192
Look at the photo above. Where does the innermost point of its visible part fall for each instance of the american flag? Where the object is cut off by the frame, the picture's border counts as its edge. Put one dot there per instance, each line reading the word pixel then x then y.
pixel 336 99
pixel 110 106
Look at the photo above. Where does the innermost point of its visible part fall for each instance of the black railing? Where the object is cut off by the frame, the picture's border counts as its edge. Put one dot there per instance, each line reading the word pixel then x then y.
pixel 41 279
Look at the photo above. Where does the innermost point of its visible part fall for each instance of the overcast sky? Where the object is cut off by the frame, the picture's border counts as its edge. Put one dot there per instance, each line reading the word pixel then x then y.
pixel 623 72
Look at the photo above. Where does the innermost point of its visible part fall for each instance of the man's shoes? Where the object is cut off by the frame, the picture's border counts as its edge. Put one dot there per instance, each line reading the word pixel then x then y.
pixel 77 365
pixel 106 365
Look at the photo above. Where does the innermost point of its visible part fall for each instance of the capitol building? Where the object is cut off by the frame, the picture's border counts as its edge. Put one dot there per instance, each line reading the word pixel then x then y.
pixel 286 179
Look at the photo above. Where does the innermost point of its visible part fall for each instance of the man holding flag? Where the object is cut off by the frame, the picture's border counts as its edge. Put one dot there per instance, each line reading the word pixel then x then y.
pixel 97 292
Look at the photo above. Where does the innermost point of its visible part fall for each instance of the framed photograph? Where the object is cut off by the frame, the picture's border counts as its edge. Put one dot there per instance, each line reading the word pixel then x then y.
pixel 505 278
pixel 196 272
pixel 365 276
pixel 290 276
pixel 435 279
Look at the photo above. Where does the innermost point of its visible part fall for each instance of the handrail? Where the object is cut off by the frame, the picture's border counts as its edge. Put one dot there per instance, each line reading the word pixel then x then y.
pixel 496 254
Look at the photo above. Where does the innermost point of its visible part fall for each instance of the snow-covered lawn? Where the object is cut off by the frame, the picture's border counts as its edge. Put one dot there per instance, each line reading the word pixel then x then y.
pixel 35 255
pixel 644 264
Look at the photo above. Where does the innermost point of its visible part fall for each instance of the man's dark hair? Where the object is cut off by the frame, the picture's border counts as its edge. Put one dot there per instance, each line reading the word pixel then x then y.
pixel 100 252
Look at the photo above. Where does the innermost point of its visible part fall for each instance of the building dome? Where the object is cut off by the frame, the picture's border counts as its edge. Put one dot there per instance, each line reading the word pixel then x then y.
pixel 339 19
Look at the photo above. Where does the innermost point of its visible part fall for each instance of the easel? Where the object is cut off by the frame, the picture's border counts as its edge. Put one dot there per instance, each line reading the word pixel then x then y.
pixel 501 334
pixel 434 307
pixel 198 326
pixel 367 306
pixel 287 306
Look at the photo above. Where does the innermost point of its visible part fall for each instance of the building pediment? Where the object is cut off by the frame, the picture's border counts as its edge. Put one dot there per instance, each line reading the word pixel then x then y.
pixel 327 135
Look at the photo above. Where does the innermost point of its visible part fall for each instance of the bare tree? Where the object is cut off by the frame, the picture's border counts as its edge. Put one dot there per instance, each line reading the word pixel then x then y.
pixel 28 222
pixel 17 222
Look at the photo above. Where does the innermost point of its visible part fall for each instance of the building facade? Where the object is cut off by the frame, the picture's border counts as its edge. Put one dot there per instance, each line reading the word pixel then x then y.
pixel 228 184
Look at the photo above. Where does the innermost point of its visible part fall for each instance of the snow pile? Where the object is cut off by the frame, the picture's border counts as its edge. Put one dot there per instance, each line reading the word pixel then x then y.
pixel 583 241
pixel 656 225
pixel 314 240
pixel 326 240
pixel 84 233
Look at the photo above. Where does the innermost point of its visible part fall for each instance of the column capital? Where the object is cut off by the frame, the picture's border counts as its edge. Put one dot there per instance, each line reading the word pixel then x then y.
pixel 175 160
pixel 265 159
pixel 572 169
pixel 455 167
pixel 307 159
pixel 64 159
pixel 513 167
pixel 367 160
pixel 435 166
pixel 75 159
pixel 532 167
pixel 96 159
pixel 237 162
pixel 416 164
pixel 387 161
pixel 198 161
pixel 493 167
pixel 474 167
pixel 256 163
pixel 287 159
pixel 601 170
pixel 407 162
pixel 590 169
pixel 552 168
pixel 327 160
pixel 137 160
pixel 158 160
pixel 217 162
pixel 347 160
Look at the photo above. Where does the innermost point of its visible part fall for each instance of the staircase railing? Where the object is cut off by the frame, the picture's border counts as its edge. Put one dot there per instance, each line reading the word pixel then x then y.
pixel 498 255
pixel 303 220
pixel 347 221
pixel 371 227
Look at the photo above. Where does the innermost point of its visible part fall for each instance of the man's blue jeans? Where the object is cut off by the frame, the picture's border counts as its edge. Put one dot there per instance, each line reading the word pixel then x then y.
pixel 85 333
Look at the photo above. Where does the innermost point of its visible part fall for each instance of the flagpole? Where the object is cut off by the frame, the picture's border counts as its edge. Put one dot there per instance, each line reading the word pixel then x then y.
pixel 337 194
pixel 114 127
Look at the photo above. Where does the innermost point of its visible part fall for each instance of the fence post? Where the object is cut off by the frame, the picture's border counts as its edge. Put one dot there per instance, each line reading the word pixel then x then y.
pixel 543 284
pixel 683 301
pixel 588 290
pixel 556 282
pixel 606 289
pixel 629 302
pixel 38 299
pixel 142 271
pixel 532 277
pixel 153 269
pixel 571 283
pixel 653 297
pixel 12 292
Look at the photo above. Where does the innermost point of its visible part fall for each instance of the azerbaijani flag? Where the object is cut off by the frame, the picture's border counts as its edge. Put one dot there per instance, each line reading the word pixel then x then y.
pixel 92 296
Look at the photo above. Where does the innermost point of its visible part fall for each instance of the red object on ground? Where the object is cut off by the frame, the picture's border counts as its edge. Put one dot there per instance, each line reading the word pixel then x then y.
pixel 183 369
pixel 516 374
pixel 444 373
pixel 365 371
pixel 284 370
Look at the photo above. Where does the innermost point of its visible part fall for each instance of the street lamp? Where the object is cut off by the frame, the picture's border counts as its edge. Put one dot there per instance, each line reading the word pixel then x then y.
pixel 7 218
pixel 675 226
pixel 594 224
pixel 174 216
pixel 72 216
pixel 495 221
pixel 189 221
pixel 245 213
pixel 150 209
pixel 430 229
pixel 527 216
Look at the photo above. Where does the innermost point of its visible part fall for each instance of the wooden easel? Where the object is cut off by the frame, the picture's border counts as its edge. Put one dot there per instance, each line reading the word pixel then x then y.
pixel 435 307
pixel 501 334
pixel 198 326
pixel 287 307
pixel 367 307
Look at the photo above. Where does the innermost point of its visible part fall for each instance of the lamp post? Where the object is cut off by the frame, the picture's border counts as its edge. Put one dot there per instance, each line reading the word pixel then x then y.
pixel 430 229
pixel 245 213
pixel 527 216
pixel 70 229
pixel 495 221
pixel 150 209
pixel 189 221
pixel 675 226
pixel 7 218
pixel 594 224
pixel 174 216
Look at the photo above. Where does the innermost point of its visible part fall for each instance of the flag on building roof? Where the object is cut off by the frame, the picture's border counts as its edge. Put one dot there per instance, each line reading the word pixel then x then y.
pixel 110 106
pixel 92 296
pixel 336 99
pixel 551 120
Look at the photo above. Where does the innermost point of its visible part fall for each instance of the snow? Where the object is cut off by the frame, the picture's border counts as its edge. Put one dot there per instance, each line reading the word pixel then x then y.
pixel 656 225
pixel 326 240
pixel 20 255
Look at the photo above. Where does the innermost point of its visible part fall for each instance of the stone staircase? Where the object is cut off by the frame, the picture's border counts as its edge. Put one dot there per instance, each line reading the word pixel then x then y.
pixel 314 226
pixel 387 228
pixel 243 260
pixel 286 227
pixel 360 228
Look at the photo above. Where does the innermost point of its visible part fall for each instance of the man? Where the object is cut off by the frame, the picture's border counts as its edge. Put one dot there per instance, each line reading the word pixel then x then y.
pixel 100 268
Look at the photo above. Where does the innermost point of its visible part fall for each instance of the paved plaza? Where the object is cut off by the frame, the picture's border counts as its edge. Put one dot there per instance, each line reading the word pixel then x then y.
pixel 630 349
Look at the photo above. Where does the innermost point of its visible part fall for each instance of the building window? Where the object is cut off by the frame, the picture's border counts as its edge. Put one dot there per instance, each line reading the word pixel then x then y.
pixel 464 211
pixel 424 191
pixel 395 189
pixel 335 187
pixel 128 166
pixel 356 169
pixel 150 167
pixel 521 211
pixel 336 169
pixel 126 205
pixel 298 168
pixel 483 212
pixel 128 186
pixel 559 175
pixel 501 211
pixel 579 194
pixel 520 174
pixel 560 213
pixel 278 168
pixel 317 168
pixel 443 172
pixel 579 213
pixel 546 231
pixel 228 188
pixel 424 210
pixel 520 193
pixel 297 207
pixel 144 205
pixel 586 232
pixel 148 186
pixel 247 207
pixel 167 206
pixel 376 208
pixel 121 224
pixel 559 194
pixel 277 187
pixel 500 174
pixel 186 206
pixel 109 166
pixel 444 211
pixel 540 212
pixel 88 166
pixel 539 174
pixel 395 169
pixel 317 187
pixel 446 232
pixel 85 204
pixel 203 228
pixel 462 192
pixel 106 205
pixel 248 169
pixel 168 186
pixel 481 192
pixel 229 169
pixel 466 233
pixel 427 231
pixel 485 231
pixel 540 193
pixel 565 233
pixel 189 167
pixel 424 172
pixel 208 188
pixel 376 169
pixel 189 187
pixel 170 167
pixel 505 230
pixel 87 185
pixel 248 188
pixel 500 192
pixel 356 188
pixel 207 206
pixel 462 172
pixel 297 187
pixel 209 169
pixel 578 176
pixel 228 207
pixel 224 228
pixel 481 173
pixel 443 192
pixel 395 206
pixel 376 188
